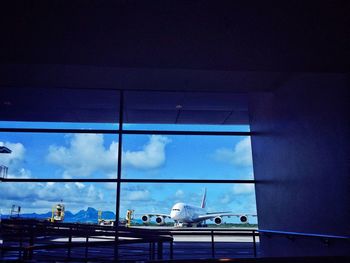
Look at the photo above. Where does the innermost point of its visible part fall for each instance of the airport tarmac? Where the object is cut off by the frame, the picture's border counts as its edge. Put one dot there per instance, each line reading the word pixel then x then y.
pixel 202 234
pixel 230 235
pixel 182 238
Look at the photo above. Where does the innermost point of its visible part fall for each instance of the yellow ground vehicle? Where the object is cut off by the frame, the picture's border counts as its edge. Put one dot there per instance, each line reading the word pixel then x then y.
pixel 57 213
pixel 129 217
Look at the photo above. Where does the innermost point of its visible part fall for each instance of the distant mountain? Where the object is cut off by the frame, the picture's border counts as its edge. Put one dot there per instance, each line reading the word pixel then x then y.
pixel 90 215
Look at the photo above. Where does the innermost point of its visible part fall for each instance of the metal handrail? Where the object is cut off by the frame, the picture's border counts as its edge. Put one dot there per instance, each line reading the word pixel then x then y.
pixel 325 238
pixel 301 234
pixel 155 237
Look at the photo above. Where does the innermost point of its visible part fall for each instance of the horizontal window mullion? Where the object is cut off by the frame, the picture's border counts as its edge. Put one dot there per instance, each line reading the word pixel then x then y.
pixel 127 180
pixel 136 132
pixel 45 130
pixel 186 181
pixel 57 180
pixel 214 133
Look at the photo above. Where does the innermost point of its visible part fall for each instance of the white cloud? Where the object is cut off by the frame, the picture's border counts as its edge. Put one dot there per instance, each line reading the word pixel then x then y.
pixel 180 193
pixel 226 198
pixel 79 185
pixel 139 195
pixel 86 154
pixel 17 154
pixel 239 196
pixel 243 189
pixel 15 160
pixel 151 156
pixel 239 199
pixel 20 173
pixel 40 197
pixel 241 154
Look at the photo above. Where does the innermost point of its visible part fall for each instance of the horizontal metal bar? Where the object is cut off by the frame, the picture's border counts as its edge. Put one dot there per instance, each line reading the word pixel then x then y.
pixel 300 234
pixel 58 180
pixel 47 130
pixel 214 133
pixel 33 180
pixel 129 132
pixel 187 181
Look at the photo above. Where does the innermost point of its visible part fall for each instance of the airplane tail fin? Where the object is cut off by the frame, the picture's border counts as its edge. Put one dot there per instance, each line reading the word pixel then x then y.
pixel 204 198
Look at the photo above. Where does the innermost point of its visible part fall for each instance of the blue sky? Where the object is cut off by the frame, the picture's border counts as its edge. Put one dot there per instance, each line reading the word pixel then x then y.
pixel 40 155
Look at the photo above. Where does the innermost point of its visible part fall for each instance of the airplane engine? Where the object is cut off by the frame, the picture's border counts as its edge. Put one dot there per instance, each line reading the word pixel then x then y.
pixel 218 220
pixel 160 220
pixel 145 219
pixel 243 219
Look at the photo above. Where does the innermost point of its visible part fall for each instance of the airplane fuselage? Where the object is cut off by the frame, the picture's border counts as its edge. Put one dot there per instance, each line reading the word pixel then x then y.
pixel 185 213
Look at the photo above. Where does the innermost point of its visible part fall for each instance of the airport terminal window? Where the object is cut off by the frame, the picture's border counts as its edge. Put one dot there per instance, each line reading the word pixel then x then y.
pixel 161 163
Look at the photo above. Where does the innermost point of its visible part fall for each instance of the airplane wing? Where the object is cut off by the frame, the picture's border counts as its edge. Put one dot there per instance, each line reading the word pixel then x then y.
pixel 224 214
pixel 154 214
pixel 213 215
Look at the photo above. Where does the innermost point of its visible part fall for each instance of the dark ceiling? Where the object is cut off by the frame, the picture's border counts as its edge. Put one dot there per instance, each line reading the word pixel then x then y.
pixel 193 45
pixel 192 34
pixel 102 106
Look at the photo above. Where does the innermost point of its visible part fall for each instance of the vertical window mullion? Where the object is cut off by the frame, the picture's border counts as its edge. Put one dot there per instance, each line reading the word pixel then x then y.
pixel 119 171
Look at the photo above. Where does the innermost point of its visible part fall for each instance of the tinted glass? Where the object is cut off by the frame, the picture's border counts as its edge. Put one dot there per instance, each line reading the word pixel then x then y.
pixel 59 155
pixel 187 157
pixel 159 198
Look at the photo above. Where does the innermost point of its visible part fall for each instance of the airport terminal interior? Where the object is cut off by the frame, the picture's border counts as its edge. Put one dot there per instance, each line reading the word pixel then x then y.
pixel 175 131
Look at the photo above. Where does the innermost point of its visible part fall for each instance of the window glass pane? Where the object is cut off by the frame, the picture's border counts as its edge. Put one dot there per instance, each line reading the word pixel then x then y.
pixel 81 201
pixel 159 198
pixel 58 155
pixel 187 157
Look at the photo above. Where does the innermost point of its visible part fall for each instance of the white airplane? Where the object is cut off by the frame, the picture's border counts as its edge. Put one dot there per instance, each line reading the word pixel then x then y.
pixel 187 215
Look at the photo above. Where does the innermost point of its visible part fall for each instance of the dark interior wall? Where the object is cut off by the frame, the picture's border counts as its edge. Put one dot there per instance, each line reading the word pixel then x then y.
pixel 301 162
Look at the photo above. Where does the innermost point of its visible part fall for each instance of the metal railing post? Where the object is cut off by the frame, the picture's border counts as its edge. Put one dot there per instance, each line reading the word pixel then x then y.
pixel 86 247
pixel 150 250
pixel 20 254
pixel 153 250
pixel 171 249
pixel 212 244
pixel 69 243
pixel 31 242
pixel 254 243
pixel 159 250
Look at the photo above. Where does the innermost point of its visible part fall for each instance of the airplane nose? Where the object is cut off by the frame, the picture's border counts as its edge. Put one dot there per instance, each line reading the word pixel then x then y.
pixel 174 215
